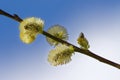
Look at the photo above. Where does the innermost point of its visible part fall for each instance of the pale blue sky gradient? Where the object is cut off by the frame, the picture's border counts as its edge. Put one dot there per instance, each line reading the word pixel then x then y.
pixel 99 20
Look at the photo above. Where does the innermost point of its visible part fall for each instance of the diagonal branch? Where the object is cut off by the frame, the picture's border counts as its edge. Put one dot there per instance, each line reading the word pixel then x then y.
pixel 15 17
pixel 77 49
pixel 82 51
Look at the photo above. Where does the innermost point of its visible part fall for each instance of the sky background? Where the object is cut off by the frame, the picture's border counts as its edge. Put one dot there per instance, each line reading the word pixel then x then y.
pixel 99 20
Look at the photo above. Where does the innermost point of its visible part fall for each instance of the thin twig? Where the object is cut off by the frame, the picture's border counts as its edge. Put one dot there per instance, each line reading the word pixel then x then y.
pixel 15 17
pixel 86 52
pixel 77 49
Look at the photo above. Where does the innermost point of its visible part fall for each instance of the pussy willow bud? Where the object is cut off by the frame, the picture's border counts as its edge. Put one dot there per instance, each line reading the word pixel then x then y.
pixel 57 31
pixel 60 55
pixel 30 28
pixel 83 42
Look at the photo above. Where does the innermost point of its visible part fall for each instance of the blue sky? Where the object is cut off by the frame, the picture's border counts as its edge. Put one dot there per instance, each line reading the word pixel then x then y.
pixel 99 20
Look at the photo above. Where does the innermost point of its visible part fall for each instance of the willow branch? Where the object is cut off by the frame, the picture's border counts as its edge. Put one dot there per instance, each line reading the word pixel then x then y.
pixel 82 51
pixel 15 16
pixel 77 49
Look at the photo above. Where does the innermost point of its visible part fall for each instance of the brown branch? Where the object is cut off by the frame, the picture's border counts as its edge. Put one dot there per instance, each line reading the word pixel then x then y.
pixel 77 49
pixel 15 17
pixel 86 52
